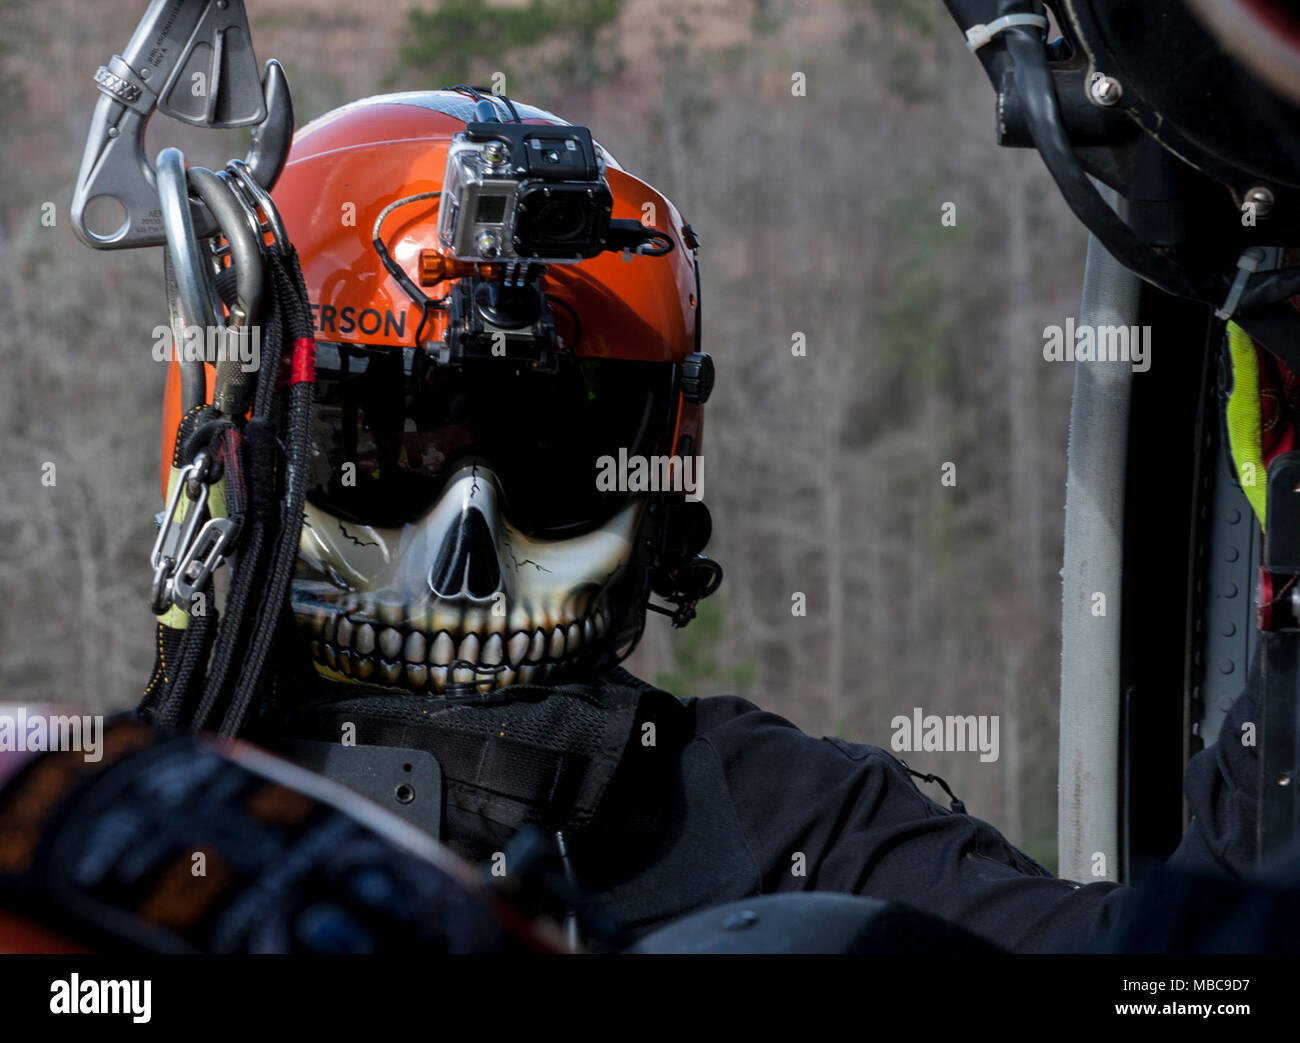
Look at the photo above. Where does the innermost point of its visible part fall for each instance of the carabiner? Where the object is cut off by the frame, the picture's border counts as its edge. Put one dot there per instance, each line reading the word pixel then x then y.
pixel 185 554
pixel 196 297
pixel 245 242
pixel 256 196
pixel 176 537
pixel 204 556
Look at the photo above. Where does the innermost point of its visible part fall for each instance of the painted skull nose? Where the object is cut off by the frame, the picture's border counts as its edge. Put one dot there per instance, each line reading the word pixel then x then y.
pixel 466 564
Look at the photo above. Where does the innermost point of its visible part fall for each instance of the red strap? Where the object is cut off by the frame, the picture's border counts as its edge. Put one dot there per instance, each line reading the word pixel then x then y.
pixel 304 361
pixel 300 368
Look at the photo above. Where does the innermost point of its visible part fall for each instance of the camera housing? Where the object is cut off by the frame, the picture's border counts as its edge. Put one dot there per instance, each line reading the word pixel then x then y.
pixel 521 191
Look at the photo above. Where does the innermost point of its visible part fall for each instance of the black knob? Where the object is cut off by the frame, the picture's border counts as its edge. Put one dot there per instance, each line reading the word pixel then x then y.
pixel 697 376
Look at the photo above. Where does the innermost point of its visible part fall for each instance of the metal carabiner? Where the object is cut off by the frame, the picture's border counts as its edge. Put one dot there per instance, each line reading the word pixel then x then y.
pixel 185 554
pixel 178 45
pixel 245 241
pixel 256 196
pixel 175 537
pixel 203 557
pixel 196 301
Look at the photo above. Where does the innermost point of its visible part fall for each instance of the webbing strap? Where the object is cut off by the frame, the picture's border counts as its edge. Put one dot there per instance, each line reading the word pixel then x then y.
pixel 171 627
pixel 533 775
pixel 503 775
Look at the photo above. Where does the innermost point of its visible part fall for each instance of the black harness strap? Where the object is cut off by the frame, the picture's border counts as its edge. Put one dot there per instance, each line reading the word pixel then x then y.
pixel 492 762
pixel 177 649
pixel 290 295
pixel 490 765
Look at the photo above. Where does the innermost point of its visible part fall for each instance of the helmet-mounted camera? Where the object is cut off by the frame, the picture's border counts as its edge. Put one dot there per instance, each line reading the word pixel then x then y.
pixel 515 197
pixel 523 191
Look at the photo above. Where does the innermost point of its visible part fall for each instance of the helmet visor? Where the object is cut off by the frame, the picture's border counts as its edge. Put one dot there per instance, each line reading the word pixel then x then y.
pixel 405 424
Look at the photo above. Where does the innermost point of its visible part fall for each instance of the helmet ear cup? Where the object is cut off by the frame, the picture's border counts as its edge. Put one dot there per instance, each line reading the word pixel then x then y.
pixel 696 578
pixel 682 573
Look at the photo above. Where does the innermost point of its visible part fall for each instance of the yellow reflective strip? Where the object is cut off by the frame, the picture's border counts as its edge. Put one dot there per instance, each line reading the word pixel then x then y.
pixel 174 476
pixel 176 618
pixel 1245 437
pixel 217 499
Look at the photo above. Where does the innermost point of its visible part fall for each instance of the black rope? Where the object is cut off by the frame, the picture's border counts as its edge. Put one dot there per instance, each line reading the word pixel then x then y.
pixel 181 651
pixel 218 667
pixel 268 620
pixel 260 442
pixel 171 710
pixel 261 450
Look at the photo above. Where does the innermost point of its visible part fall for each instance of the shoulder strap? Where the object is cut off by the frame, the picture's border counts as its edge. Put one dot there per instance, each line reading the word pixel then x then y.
pixel 518 759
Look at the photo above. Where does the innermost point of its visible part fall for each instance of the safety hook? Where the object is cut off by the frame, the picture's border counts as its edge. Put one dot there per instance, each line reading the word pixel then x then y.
pixel 192 60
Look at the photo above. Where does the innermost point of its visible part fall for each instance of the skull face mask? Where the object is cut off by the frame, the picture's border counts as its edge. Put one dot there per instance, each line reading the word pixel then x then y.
pixel 455 537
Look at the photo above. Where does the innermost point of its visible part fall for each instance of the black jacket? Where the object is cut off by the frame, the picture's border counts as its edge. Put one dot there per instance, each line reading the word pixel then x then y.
pixel 669 805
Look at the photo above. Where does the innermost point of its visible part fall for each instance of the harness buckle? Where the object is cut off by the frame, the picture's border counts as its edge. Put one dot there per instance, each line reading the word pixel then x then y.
pixel 184 554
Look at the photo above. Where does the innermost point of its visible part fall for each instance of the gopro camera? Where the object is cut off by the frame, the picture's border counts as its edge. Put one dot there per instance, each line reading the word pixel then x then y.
pixel 521 191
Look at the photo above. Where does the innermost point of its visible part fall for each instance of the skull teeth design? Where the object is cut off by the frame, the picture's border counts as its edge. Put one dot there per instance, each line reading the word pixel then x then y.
pixel 363 648
pixel 457 600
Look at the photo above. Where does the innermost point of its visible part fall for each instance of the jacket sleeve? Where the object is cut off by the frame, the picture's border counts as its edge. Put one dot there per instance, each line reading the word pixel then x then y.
pixel 828 815
pixel 1221 784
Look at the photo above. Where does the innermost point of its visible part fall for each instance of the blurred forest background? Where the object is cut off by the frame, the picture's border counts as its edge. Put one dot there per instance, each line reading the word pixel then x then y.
pixel 819 214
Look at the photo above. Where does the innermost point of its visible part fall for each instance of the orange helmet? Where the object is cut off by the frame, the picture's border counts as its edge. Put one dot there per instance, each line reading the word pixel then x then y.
pixel 507 451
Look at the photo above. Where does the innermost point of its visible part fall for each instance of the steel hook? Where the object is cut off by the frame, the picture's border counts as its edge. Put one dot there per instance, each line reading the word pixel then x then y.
pixel 177 45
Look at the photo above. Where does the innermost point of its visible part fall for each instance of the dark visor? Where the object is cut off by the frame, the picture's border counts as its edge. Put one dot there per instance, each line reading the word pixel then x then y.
pixel 406 423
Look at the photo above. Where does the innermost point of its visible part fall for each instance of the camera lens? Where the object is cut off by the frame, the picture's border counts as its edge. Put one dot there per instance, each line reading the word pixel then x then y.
pixel 561 220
